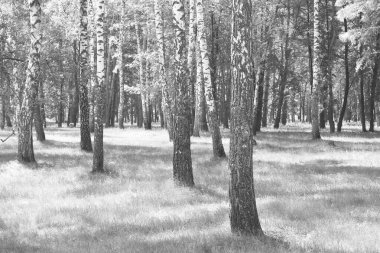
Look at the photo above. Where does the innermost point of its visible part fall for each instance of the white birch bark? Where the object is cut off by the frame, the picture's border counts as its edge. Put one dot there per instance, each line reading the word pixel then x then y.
pixel 218 148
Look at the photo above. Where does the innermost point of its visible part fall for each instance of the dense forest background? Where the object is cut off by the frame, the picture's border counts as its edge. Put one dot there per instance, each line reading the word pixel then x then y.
pixel 282 43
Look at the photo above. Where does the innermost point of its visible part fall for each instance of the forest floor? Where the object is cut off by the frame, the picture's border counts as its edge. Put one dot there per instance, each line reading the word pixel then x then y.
pixel 321 196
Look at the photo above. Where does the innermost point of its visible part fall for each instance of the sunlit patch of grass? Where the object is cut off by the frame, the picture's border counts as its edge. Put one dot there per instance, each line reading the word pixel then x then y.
pixel 312 196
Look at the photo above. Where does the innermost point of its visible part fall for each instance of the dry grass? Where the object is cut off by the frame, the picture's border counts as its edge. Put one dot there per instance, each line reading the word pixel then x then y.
pixel 312 196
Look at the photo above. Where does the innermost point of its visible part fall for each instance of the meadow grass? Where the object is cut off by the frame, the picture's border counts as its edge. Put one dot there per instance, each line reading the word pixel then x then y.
pixel 321 196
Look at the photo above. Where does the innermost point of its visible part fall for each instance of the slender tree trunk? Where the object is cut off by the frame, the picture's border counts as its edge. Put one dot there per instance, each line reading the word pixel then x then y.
pixel 38 122
pixel 284 72
pixel 218 148
pixel 331 48
pixel 373 85
pixel 25 117
pixel 85 136
pixel 347 87
pixel 243 216
pixel 192 61
pixel 121 67
pixel 62 83
pixel 182 165
pixel 264 121
pixel 99 89
pixel 317 72
pixel 166 100
pixel 362 100
pixel 92 48
pixel 259 99
pixel 141 45
pixel 41 95
pixel 198 95
pixel 2 110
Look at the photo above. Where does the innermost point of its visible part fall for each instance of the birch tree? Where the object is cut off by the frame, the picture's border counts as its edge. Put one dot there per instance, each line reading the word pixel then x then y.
pixel 182 165
pixel 218 148
pixel 121 66
pixel 25 115
pixel 85 136
pixel 160 36
pixel 92 47
pixel 99 89
pixel 243 216
pixel 317 72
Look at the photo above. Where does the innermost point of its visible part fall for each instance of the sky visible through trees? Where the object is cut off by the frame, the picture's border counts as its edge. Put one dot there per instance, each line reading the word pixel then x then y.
pixel 190 125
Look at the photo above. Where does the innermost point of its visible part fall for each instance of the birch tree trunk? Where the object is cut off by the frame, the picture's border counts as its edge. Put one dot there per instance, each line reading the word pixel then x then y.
pixel 192 59
pixel 142 73
pixel 85 136
pixel 243 216
pixel 99 89
pixel 317 72
pixel 199 94
pixel 218 148
pixel 166 100
pixel 38 122
pixel 121 67
pixel 92 47
pixel 373 85
pixel 182 164
pixel 347 85
pixel 25 117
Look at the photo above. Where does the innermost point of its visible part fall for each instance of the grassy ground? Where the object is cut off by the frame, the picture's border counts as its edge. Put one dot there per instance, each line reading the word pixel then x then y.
pixel 312 196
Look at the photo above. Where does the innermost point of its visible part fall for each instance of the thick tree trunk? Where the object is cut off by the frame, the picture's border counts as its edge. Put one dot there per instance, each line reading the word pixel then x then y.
pixel 218 148
pixel 373 86
pixel 182 165
pixel 243 216
pixel 85 136
pixel 347 87
pixel 317 72
pixel 25 116
pixel 99 89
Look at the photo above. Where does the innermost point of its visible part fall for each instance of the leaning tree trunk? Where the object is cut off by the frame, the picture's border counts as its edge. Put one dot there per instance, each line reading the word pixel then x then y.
pixel 317 72
pixel 121 68
pixel 218 148
pixel 243 216
pixel 85 136
pixel 25 117
pixel 347 87
pixel 166 100
pixel 373 86
pixel 182 165
pixel 99 89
